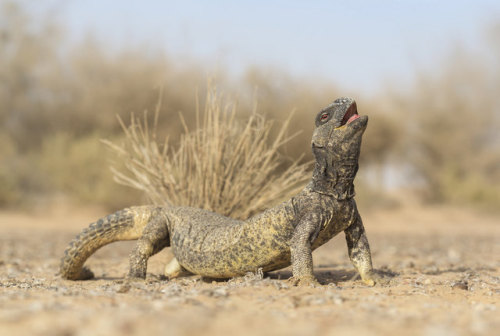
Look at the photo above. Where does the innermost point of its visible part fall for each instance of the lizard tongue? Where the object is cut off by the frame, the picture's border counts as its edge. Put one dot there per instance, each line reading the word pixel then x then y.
pixel 352 118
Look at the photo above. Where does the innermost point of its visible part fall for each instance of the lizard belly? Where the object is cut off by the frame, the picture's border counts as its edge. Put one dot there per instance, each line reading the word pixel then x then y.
pixel 216 246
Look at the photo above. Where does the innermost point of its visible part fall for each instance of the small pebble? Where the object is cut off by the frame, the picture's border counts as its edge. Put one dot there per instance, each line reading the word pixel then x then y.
pixel 460 285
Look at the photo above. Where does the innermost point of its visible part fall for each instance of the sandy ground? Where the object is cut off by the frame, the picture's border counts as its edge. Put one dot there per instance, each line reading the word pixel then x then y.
pixel 442 264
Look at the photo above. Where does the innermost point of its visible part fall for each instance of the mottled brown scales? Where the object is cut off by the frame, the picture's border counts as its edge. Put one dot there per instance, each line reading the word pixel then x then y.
pixel 216 246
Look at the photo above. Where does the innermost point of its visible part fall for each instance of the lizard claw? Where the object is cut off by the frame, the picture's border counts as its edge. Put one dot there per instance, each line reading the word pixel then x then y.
pixel 373 279
pixel 128 283
pixel 369 282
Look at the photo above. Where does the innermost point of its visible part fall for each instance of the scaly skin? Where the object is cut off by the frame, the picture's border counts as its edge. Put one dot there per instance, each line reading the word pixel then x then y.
pixel 126 224
pixel 216 246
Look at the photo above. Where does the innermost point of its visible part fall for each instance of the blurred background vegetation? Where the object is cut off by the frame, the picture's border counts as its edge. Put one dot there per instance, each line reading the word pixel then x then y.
pixel 438 142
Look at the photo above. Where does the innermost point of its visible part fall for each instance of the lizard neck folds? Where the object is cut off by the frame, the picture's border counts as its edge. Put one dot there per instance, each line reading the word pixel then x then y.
pixel 336 145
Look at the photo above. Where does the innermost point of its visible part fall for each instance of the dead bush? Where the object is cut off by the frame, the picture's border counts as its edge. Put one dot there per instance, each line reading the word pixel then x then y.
pixel 225 165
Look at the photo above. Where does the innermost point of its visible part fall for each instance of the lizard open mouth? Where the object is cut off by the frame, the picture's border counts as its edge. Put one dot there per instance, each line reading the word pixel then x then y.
pixel 350 115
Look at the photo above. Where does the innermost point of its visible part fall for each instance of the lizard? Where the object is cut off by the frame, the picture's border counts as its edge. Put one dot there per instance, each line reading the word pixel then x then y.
pixel 215 246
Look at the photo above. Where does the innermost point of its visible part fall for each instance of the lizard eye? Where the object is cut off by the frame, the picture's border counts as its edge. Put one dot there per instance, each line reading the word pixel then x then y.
pixel 323 117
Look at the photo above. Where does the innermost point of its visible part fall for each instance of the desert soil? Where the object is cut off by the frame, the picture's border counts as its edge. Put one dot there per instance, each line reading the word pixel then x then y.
pixel 441 265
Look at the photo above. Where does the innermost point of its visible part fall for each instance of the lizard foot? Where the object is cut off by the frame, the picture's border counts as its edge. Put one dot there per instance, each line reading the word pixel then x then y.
pixel 369 282
pixel 128 283
pixel 372 278
pixel 304 281
pixel 138 273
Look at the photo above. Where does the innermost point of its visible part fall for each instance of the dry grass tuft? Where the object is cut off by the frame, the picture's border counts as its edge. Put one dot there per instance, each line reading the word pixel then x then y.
pixel 224 165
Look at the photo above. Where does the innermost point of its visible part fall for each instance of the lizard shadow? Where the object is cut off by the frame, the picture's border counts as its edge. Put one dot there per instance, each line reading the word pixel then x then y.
pixel 325 274
pixel 461 269
pixel 329 274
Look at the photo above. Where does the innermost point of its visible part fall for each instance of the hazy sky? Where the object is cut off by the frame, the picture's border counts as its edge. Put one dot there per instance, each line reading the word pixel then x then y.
pixel 356 44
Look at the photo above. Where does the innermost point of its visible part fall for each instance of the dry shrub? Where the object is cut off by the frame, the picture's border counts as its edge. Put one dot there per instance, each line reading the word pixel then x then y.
pixel 225 165
pixel 444 129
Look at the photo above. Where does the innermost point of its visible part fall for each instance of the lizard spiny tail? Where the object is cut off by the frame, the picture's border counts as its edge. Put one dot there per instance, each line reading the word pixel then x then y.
pixel 126 224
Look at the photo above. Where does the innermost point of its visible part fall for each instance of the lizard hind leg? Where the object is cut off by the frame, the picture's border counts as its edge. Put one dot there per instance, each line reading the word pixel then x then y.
pixel 154 238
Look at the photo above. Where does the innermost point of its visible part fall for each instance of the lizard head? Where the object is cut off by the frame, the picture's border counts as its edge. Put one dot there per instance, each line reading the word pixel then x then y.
pixel 336 145
pixel 339 127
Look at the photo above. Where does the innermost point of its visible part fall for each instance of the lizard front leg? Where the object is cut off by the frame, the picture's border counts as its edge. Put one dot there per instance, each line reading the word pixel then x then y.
pixel 301 251
pixel 359 250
